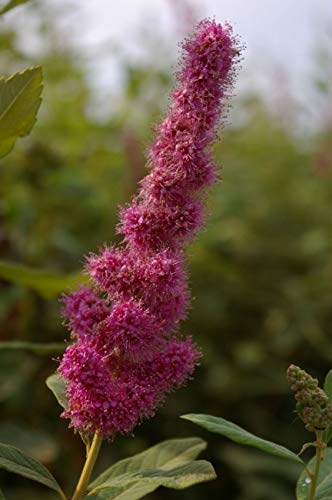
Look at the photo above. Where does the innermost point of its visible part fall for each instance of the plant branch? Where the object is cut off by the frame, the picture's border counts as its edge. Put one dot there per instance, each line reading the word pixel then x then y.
pixel 314 476
pixel 91 458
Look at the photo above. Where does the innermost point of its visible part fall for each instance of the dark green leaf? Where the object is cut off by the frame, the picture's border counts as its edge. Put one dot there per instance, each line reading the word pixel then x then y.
pixel 2 496
pixel 324 488
pixel 11 5
pixel 14 460
pixel 45 283
pixel 235 433
pixel 56 384
pixel 170 464
pixel 19 103
pixel 34 347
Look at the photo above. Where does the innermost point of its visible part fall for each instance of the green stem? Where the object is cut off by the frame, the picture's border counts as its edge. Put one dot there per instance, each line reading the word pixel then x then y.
pixel 314 477
pixel 91 458
pixel 62 495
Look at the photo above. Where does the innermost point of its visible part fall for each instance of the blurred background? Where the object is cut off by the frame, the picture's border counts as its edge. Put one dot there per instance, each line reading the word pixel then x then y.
pixel 261 272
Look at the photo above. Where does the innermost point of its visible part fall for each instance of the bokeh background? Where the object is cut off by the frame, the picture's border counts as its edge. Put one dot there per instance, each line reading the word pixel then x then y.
pixel 261 272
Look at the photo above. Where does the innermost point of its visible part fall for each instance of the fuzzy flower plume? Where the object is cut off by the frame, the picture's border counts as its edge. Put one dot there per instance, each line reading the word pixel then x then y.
pixel 127 355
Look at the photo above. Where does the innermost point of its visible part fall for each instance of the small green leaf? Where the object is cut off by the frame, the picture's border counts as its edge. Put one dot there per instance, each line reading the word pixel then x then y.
pixel 2 496
pixel 170 464
pixel 327 435
pixel 328 385
pixel 44 348
pixel 324 484
pixel 19 103
pixel 11 5
pixel 56 384
pixel 47 284
pixel 235 433
pixel 87 439
pixel 6 145
pixel 14 460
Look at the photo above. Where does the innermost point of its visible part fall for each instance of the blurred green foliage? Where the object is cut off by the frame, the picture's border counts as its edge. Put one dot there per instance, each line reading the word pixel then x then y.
pixel 261 273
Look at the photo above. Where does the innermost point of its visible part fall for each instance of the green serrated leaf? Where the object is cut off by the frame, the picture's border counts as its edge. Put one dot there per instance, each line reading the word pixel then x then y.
pixel 14 460
pixel 324 488
pixel 56 384
pixel 170 464
pixel 178 478
pixel 44 348
pixel 235 433
pixel 47 284
pixel 19 103
pixel 11 5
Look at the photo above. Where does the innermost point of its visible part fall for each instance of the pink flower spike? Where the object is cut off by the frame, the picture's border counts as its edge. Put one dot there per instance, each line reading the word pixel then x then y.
pixel 127 355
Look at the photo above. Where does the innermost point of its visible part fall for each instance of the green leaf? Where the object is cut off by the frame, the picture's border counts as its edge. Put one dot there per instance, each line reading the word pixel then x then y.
pixel 170 464
pixel 328 385
pixel 133 492
pixel 2 496
pixel 45 348
pixel 47 284
pixel 14 460
pixel 235 433
pixel 11 5
pixel 178 478
pixel 6 145
pixel 19 103
pixel 56 384
pixel 324 488
pixel 327 435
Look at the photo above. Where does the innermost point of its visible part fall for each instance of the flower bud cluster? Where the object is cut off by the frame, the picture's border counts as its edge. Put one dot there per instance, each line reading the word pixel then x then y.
pixel 312 403
pixel 127 354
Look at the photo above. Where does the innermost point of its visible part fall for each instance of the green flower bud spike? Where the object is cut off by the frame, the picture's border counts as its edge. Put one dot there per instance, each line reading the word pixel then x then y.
pixel 313 407
pixel 312 403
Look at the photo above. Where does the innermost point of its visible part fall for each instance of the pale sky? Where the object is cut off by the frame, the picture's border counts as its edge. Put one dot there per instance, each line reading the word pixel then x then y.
pixel 280 35
pixel 275 31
